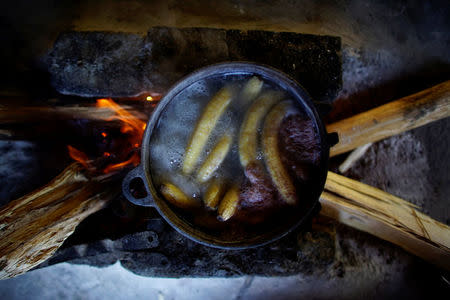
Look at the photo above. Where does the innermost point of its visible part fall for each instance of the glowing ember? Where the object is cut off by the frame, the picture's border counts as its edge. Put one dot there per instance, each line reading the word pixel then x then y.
pixel 131 127
pixel 154 97
pixel 115 167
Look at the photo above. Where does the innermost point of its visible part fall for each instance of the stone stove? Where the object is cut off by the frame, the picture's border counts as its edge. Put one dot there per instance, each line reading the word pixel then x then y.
pixel 355 69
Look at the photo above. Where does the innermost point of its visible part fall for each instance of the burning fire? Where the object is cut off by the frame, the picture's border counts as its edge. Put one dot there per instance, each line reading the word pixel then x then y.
pixel 131 126
pixel 78 156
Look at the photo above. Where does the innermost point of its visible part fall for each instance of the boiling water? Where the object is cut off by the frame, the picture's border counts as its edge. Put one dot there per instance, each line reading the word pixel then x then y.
pixel 178 120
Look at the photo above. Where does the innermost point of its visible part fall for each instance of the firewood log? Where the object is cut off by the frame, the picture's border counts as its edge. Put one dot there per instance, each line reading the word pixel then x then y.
pixel 386 216
pixel 25 114
pixel 34 226
pixel 393 118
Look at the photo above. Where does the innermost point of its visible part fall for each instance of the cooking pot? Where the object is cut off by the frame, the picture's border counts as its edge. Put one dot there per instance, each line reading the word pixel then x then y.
pixel 255 236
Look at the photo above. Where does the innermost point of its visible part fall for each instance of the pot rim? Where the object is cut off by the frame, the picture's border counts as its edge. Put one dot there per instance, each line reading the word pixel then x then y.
pixel 276 76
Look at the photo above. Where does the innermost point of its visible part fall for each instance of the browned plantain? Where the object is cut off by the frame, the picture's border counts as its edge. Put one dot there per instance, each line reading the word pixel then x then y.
pixel 272 155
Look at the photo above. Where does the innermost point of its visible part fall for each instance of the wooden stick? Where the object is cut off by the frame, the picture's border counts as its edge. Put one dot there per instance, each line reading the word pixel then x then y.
pixel 386 216
pixel 34 226
pixel 14 114
pixel 393 118
pixel 6 133
pixel 353 157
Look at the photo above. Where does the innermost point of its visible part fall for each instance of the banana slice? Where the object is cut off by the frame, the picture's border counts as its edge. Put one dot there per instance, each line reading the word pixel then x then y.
pixel 248 138
pixel 205 125
pixel 214 159
pixel 176 196
pixel 251 89
pixel 278 173
pixel 213 194
pixel 229 204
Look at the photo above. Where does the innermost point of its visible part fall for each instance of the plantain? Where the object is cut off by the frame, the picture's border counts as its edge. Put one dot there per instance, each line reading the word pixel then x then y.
pixel 213 194
pixel 229 204
pixel 251 90
pixel 248 137
pixel 177 197
pixel 214 159
pixel 272 156
pixel 205 125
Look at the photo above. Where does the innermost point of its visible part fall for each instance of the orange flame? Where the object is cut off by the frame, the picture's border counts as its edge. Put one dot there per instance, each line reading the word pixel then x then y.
pixel 78 156
pixel 114 167
pixel 132 126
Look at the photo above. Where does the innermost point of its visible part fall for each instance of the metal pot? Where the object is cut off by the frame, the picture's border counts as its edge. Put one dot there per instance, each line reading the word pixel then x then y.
pixel 208 237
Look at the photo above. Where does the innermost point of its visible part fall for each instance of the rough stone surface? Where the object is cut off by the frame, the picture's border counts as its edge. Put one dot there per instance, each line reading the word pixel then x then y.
pixel 319 259
pixel 436 140
pixel 170 254
pixel 412 166
pixel 101 64
pixel 21 167
pixel 16 157
pixel 98 64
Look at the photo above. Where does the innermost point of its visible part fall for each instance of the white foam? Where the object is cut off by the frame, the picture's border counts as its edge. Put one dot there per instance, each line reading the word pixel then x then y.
pixel 175 127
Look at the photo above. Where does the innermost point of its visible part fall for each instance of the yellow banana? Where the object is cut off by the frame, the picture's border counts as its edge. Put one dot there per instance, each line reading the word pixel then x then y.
pixel 177 197
pixel 205 125
pixel 278 173
pixel 251 90
pixel 214 159
pixel 212 194
pixel 229 204
pixel 248 138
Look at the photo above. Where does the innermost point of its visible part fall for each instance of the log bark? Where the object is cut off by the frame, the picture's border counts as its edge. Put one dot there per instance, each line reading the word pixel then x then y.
pixel 393 118
pixel 386 216
pixel 29 114
pixel 34 226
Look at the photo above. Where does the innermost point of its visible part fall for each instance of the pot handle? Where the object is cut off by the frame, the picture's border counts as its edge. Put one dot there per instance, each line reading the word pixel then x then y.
pixel 137 173
pixel 332 139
